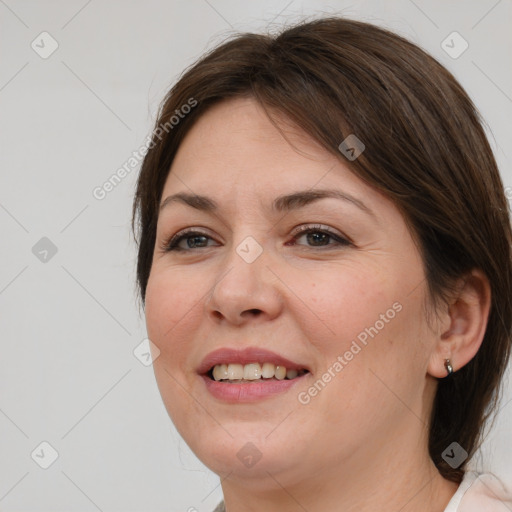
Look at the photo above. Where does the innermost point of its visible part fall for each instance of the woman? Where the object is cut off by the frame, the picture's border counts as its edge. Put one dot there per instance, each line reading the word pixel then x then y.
pixel 324 260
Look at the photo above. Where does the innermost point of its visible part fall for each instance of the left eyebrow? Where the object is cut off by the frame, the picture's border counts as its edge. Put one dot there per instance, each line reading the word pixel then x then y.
pixel 283 203
pixel 303 198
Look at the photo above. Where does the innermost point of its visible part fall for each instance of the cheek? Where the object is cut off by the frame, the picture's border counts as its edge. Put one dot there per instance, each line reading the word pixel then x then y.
pixel 342 304
pixel 172 308
pixel 172 302
pixel 372 349
pixel 368 317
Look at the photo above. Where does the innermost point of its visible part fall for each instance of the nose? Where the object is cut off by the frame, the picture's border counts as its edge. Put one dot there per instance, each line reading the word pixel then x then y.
pixel 244 291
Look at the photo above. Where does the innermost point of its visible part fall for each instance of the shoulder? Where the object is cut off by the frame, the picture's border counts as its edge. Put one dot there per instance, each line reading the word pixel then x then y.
pixel 220 507
pixel 481 491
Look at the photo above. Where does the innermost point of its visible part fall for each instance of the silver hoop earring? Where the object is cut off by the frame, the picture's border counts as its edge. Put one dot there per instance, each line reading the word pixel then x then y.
pixel 448 366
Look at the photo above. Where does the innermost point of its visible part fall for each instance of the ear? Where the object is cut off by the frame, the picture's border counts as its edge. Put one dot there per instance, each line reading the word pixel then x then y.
pixel 463 324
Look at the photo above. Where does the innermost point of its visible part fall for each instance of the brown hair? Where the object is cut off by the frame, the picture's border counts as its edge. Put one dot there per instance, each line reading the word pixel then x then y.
pixel 426 150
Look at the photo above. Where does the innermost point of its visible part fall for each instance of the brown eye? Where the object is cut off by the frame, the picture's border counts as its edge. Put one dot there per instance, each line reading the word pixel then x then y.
pixel 316 236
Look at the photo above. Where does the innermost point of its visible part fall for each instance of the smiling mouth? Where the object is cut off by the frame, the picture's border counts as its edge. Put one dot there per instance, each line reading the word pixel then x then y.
pixel 235 373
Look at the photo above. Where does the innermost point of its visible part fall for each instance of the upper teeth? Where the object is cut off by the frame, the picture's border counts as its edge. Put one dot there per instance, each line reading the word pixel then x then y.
pixel 252 371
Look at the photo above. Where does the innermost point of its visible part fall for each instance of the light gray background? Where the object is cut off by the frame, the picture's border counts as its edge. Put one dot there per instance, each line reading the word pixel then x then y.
pixel 69 325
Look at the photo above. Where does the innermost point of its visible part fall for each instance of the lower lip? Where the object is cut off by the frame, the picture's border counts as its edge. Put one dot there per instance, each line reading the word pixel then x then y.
pixel 249 391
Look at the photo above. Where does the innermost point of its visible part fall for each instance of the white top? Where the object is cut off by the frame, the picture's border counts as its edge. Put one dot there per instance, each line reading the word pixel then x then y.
pixel 481 493
pixel 476 493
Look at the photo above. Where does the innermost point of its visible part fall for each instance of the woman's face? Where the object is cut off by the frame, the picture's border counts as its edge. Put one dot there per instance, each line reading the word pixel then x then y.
pixel 341 304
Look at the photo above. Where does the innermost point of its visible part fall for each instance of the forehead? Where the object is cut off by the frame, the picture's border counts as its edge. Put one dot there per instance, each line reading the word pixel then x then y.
pixel 237 128
pixel 234 143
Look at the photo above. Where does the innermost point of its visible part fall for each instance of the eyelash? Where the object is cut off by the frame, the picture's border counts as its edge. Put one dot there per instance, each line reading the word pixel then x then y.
pixel 171 244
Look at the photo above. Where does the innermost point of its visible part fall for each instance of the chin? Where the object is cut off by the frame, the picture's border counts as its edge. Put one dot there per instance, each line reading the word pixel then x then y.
pixel 248 454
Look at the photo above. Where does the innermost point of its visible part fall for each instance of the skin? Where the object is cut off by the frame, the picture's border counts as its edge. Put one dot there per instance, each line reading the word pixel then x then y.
pixel 361 443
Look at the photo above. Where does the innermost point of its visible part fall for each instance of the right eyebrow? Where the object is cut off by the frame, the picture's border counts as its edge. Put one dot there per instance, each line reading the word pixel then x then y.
pixel 196 201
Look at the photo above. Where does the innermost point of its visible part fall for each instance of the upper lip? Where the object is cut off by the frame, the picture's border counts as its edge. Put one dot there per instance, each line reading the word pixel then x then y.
pixel 246 356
